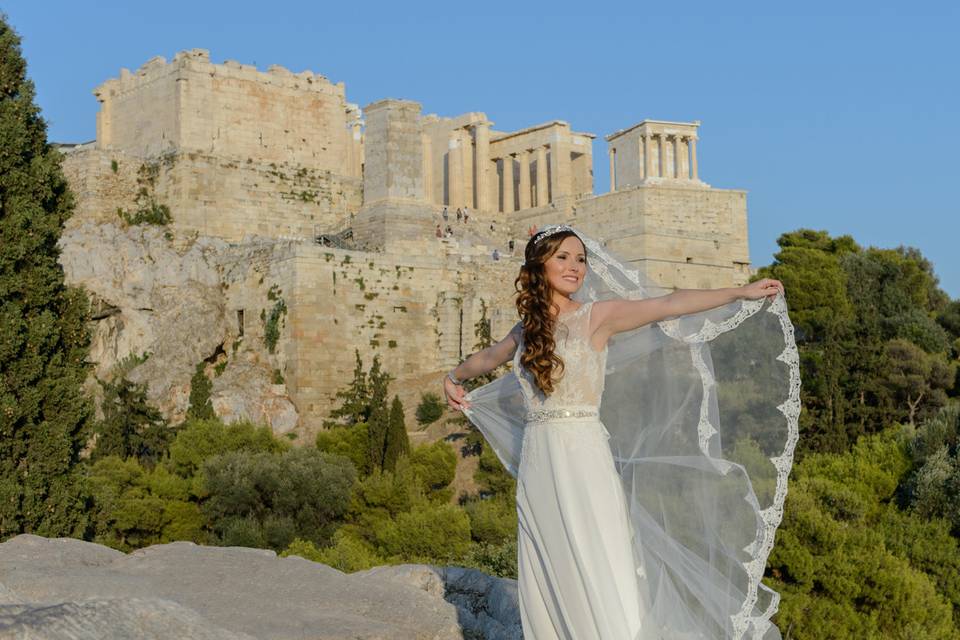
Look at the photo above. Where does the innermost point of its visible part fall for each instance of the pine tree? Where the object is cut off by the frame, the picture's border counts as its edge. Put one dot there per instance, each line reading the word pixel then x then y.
pixel 355 407
pixel 44 341
pixel 131 427
pixel 398 444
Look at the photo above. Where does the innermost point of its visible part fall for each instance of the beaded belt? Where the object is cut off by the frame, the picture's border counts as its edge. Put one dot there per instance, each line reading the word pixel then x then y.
pixel 551 414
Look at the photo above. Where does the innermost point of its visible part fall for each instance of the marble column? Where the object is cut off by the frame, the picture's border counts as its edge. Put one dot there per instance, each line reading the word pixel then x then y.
pixel 509 202
pixel 613 170
pixel 481 138
pixel 466 157
pixel 455 172
pixel 561 176
pixel 428 187
pixel 685 157
pixel 661 159
pixel 677 161
pixel 647 159
pixel 542 192
pixel 524 158
pixel 693 158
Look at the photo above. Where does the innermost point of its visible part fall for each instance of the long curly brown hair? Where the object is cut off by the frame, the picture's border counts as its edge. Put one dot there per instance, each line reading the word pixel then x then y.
pixel 534 298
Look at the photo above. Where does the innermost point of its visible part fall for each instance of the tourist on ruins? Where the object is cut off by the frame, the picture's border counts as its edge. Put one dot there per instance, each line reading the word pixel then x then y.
pixel 445 215
pixel 636 520
pixel 466 214
pixel 459 214
pixel 496 254
pixel 449 232
pixel 439 232
pixel 510 245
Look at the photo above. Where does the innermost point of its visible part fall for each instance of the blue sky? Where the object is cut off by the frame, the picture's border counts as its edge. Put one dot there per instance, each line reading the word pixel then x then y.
pixel 836 116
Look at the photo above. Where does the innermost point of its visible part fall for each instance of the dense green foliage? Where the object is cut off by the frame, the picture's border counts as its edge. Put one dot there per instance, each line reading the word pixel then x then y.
pixel 203 439
pixel 850 564
pixel 877 337
pixel 267 500
pixel 134 507
pixel 44 416
pixel 933 488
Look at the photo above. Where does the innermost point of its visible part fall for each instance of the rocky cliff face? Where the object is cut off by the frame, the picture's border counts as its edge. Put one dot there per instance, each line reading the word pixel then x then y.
pixel 168 297
pixel 63 589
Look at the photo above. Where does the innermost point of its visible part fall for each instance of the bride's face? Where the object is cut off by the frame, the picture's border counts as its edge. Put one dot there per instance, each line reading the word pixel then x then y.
pixel 567 266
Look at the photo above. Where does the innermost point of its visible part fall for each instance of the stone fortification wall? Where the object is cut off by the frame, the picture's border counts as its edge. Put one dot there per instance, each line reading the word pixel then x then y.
pixel 102 182
pixel 212 195
pixel 227 110
pixel 417 309
pixel 681 237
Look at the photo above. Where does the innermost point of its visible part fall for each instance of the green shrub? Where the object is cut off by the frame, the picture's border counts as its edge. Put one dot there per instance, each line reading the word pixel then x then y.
pixel 199 439
pixel 348 553
pixel 491 475
pixel 351 442
pixel 493 520
pixel 272 325
pixel 275 498
pixel 435 465
pixel 497 560
pixel 430 408
pixel 133 507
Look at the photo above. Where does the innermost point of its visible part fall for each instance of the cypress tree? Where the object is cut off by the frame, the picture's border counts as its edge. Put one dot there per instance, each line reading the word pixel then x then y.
pixel 44 341
pixel 200 406
pixel 398 444
pixel 379 421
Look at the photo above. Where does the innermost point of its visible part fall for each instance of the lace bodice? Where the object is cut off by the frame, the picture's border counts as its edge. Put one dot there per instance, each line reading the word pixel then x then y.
pixel 582 382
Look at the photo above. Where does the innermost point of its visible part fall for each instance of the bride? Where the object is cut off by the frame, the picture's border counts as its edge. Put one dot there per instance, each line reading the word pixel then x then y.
pixel 650 437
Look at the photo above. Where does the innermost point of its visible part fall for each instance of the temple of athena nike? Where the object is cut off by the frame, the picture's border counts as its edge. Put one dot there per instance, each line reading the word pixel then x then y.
pixel 350 201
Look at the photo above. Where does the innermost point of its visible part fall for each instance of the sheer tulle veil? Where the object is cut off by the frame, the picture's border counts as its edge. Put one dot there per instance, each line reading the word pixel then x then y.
pixel 702 412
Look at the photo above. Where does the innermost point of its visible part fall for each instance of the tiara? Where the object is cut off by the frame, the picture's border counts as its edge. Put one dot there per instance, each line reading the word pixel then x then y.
pixel 550 230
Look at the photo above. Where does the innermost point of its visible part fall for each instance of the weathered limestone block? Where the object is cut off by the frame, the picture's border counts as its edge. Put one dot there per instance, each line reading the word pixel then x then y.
pixel 244 592
pixel 488 605
pixel 109 619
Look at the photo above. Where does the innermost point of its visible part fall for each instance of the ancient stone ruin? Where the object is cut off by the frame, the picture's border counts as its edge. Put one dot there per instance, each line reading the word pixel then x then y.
pixel 303 227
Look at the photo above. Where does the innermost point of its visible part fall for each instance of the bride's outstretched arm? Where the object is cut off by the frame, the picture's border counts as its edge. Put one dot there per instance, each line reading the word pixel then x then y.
pixel 478 364
pixel 614 316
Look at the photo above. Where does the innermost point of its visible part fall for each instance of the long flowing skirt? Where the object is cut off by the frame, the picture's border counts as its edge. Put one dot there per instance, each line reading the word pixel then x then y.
pixel 578 578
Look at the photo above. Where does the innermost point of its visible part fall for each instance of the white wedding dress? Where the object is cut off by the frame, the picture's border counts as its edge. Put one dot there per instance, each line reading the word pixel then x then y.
pixel 649 515
pixel 576 576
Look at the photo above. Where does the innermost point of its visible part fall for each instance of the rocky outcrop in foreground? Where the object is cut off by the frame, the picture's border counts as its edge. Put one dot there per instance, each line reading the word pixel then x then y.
pixel 64 589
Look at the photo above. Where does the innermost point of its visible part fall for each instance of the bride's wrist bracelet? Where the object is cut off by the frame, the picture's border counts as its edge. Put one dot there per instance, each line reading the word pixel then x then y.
pixel 453 379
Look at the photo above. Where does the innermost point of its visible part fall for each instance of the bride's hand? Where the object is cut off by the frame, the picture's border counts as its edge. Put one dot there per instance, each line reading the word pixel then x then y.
pixel 761 288
pixel 455 395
